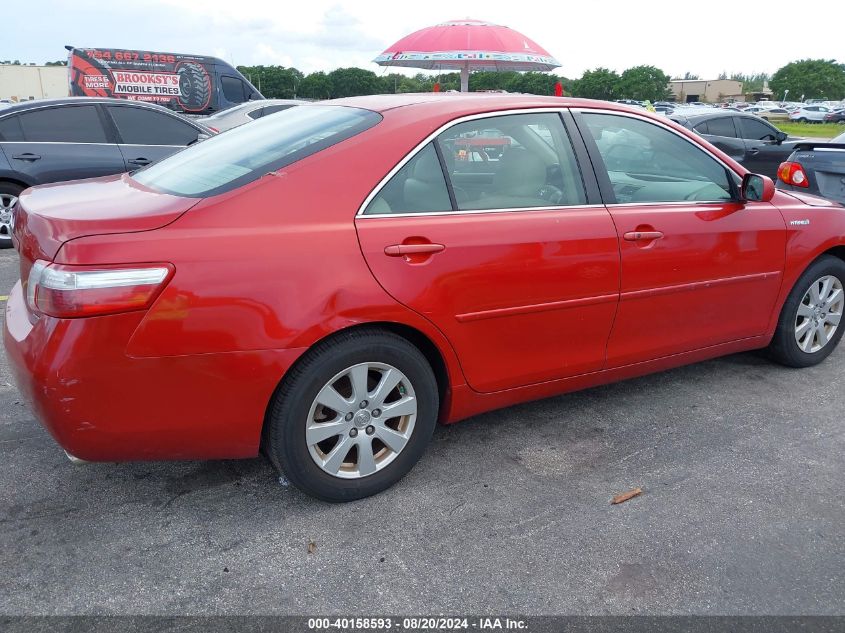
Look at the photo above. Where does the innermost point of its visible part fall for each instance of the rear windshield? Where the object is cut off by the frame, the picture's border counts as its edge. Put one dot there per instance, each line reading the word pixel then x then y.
pixel 246 153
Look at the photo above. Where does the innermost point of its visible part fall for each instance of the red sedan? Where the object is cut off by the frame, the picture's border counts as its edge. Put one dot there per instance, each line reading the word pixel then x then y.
pixel 328 282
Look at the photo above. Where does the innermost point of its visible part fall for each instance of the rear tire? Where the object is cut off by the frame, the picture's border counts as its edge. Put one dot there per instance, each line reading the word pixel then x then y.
pixel 809 327
pixel 9 193
pixel 329 429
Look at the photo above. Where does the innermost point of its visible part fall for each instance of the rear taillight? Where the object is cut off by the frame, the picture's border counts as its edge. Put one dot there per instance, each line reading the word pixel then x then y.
pixel 80 291
pixel 793 174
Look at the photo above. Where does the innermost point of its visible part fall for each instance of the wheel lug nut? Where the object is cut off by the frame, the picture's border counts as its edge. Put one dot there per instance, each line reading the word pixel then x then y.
pixel 363 404
pixel 376 413
pixel 353 432
pixel 348 416
pixel 371 429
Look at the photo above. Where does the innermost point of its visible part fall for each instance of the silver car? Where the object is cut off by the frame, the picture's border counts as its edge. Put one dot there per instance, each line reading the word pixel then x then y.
pixel 246 112
pixel 809 113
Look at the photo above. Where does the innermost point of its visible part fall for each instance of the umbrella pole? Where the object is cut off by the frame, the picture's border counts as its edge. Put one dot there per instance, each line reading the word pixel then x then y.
pixel 465 78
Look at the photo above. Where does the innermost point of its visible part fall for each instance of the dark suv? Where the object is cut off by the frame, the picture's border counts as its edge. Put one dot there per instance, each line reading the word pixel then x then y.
pixel 758 145
pixel 66 139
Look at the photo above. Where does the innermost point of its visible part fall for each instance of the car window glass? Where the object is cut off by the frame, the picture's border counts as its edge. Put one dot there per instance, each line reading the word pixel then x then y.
pixel 756 130
pixel 418 187
pixel 722 126
pixel 512 162
pixel 256 114
pixel 10 129
pixel 648 163
pixel 275 108
pixel 141 126
pixel 702 128
pixel 248 152
pixel 233 89
pixel 68 124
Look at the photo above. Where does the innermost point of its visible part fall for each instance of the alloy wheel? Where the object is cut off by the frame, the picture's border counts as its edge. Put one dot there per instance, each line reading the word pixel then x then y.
pixel 361 420
pixel 7 202
pixel 819 314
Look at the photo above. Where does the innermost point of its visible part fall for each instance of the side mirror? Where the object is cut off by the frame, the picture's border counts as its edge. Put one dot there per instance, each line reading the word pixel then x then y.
pixel 757 188
pixel 781 137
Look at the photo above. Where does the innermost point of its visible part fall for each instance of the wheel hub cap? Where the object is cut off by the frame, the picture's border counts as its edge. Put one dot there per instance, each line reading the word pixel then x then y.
pixel 362 419
pixel 819 312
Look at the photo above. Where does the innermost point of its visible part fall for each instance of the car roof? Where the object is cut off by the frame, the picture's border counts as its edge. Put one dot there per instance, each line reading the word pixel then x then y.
pixel 257 103
pixel 698 117
pixel 461 103
pixel 63 101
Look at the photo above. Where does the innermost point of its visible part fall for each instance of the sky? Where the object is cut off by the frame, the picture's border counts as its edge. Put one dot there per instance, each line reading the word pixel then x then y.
pixel 704 37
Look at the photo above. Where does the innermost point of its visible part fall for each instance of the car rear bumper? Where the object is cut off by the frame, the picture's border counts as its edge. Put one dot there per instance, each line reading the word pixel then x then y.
pixel 102 405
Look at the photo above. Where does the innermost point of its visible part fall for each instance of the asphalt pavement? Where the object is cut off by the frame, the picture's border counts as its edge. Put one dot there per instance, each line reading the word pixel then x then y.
pixel 741 463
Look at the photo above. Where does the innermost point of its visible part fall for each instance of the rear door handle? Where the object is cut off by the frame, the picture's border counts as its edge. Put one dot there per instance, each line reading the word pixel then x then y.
pixel 28 156
pixel 754 151
pixel 140 161
pixel 642 236
pixel 400 250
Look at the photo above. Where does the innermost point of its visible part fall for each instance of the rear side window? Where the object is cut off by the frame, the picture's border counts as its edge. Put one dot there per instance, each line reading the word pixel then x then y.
pixel 514 161
pixel 69 124
pixel 233 89
pixel 10 129
pixel 418 187
pixel 256 114
pixel 723 126
pixel 271 109
pixel 140 126
pixel 246 153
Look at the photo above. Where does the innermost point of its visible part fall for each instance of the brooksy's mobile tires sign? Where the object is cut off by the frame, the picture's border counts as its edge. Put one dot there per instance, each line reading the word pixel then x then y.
pixel 181 82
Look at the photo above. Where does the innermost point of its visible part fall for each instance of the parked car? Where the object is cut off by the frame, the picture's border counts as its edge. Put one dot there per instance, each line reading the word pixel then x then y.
pixel 246 112
pixel 810 113
pixel 373 284
pixel 756 144
pixel 836 116
pixel 77 137
pixel 773 114
pixel 817 168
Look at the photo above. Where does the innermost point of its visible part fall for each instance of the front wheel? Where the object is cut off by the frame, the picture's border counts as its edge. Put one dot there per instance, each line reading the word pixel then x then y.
pixel 809 328
pixel 354 416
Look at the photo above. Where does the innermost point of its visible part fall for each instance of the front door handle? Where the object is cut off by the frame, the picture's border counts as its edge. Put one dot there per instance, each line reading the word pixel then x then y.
pixel 401 250
pixel 642 236
pixel 754 151
pixel 28 157
pixel 140 161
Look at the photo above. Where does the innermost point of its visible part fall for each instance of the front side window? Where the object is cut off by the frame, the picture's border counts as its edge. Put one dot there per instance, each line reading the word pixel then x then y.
pixel 142 126
pixel 648 163
pixel 756 130
pixel 69 124
pixel 513 161
pixel 246 153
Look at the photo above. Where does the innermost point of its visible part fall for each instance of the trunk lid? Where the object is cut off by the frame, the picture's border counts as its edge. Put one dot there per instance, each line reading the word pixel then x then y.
pixel 47 216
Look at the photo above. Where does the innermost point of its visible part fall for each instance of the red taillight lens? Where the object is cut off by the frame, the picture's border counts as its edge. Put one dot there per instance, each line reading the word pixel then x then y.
pixel 793 174
pixel 79 291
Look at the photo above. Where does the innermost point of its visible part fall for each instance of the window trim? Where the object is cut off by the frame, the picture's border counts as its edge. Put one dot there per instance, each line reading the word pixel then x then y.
pixel 609 197
pixel 559 110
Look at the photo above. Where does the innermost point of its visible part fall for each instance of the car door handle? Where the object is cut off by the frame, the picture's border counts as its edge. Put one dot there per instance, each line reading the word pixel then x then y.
pixel 401 250
pixel 642 236
pixel 754 151
pixel 28 156
pixel 140 161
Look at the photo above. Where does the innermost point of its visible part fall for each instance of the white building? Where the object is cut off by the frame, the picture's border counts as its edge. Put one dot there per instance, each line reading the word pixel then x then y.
pixel 22 83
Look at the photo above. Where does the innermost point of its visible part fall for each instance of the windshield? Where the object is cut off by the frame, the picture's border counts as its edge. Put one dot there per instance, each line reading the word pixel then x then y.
pixel 242 155
pixel 839 139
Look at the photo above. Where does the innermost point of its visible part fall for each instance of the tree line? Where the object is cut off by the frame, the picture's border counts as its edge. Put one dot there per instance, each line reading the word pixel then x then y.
pixel 821 79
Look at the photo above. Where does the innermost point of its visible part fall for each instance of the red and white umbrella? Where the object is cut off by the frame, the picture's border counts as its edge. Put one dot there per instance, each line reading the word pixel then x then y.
pixel 467 45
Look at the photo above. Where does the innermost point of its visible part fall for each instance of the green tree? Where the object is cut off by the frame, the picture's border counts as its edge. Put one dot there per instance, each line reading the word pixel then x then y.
pixel 315 86
pixel 813 78
pixel 600 83
pixel 644 82
pixel 351 82
pixel 61 62
pixel 274 82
